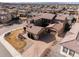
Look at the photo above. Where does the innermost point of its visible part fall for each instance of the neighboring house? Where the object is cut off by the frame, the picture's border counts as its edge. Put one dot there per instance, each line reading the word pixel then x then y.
pixel 23 18
pixel 5 16
pixel 21 12
pixel 44 18
pixel 58 24
pixel 70 43
pixel 13 12
pixel 70 20
pixel 73 11
pixel 58 10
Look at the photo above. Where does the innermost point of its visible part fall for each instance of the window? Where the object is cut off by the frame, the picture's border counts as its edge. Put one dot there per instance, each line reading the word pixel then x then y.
pixel 65 49
pixel 71 53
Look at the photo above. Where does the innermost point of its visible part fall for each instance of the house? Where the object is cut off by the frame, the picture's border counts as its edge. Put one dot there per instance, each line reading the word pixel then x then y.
pixel 34 32
pixel 70 43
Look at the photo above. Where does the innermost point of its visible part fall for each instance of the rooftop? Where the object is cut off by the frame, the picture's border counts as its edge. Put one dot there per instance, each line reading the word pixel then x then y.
pixel 61 17
pixel 69 40
pixel 45 16
pixel 33 29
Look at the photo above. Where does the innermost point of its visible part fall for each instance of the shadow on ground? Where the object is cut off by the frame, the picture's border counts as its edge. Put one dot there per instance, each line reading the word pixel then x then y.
pixel 47 38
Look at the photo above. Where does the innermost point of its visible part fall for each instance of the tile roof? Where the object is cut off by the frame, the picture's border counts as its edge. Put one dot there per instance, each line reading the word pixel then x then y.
pixel 33 29
pixel 44 15
pixel 61 17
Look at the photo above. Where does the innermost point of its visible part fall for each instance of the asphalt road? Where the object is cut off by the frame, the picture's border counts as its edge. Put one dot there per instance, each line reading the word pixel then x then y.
pixel 4 52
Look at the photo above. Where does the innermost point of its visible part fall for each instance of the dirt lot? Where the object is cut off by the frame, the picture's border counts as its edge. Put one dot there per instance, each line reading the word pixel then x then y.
pixel 16 42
